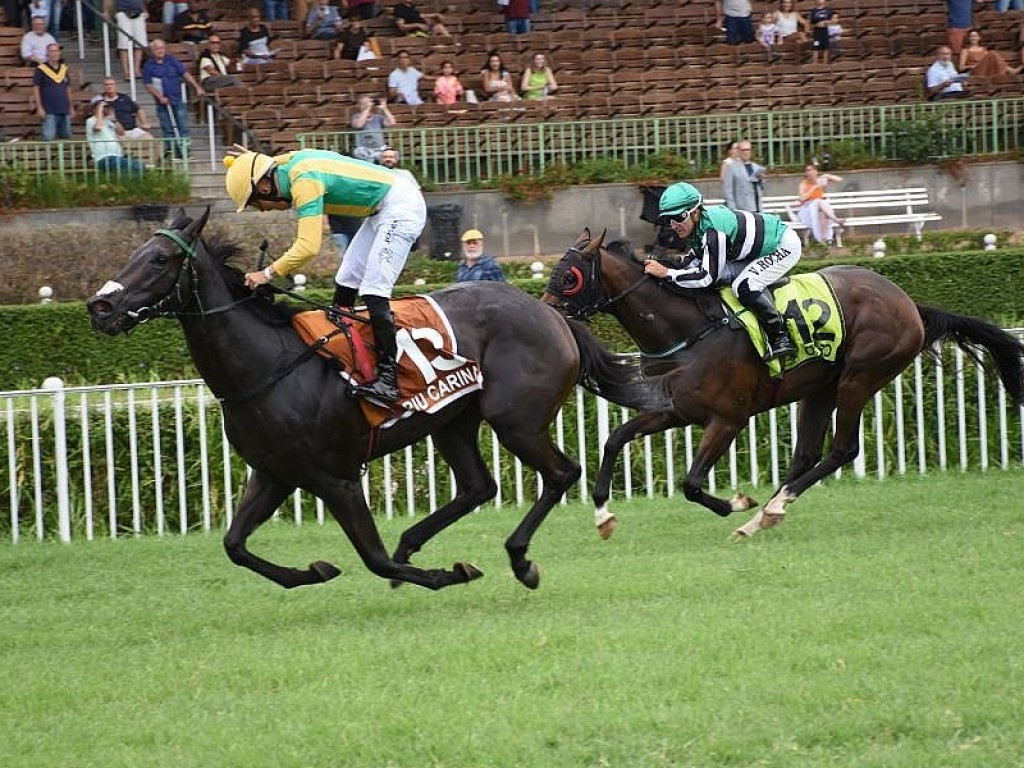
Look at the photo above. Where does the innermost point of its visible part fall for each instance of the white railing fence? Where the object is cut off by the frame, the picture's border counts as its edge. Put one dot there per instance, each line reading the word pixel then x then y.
pixel 82 462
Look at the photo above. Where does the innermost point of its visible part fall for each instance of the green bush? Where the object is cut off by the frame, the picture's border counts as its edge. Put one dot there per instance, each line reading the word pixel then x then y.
pixel 57 191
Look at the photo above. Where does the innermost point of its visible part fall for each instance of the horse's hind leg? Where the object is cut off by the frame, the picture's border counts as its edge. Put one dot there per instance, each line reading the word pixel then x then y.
pixel 719 434
pixel 263 495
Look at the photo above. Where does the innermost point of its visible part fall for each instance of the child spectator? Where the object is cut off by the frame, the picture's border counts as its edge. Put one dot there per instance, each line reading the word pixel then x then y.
pixel 768 35
pixel 819 18
pixel 447 87
pixel 835 36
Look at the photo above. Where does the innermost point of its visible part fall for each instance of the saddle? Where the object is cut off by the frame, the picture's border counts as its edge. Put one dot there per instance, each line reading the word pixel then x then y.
pixel 431 372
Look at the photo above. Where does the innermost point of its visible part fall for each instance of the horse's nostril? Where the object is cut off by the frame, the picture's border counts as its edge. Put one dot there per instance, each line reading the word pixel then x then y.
pixel 99 307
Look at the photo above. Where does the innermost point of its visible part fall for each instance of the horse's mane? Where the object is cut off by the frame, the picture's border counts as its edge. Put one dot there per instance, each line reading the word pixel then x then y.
pixel 233 261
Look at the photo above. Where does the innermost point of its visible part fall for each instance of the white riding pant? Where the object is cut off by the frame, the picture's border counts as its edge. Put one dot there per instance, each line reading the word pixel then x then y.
pixel 761 272
pixel 378 251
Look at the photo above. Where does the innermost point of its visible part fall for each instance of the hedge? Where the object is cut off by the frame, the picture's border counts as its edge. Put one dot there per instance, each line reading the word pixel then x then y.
pixel 57 340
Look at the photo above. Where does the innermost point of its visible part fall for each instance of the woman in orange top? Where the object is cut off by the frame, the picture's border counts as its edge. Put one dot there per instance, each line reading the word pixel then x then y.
pixel 815 212
pixel 979 60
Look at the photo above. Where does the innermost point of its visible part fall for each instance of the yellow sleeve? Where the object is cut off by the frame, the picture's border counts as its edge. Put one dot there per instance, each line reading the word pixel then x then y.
pixel 308 200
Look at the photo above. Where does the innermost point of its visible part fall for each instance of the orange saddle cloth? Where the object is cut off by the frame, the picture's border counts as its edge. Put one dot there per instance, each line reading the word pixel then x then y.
pixel 431 372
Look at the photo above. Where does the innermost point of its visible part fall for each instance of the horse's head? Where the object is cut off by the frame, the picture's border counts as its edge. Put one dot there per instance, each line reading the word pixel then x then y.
pixel 575 285
pixel 156 280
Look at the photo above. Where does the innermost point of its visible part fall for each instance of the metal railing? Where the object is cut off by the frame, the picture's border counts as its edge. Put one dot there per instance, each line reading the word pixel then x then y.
pixel 462 154
pixel 73 159
pixel 122 460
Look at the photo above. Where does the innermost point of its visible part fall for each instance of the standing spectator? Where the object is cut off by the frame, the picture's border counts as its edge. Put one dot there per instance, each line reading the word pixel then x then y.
pixel 835 37
pixel 412 23
pixel 447 87
pixel 814 211
pixel 819 18
pixel 732 155
pixel 742 183
pixel 517 17
pixel 215 67
pixel 734 16
pixel 171 10
pixel 56 9
pixel 254 40
pixel 131 30
pixel 370 117
pixel 51 84
pixel 1002 6
pixel 193 25
pixel 477 265
pixel 35 42
pixel 976 59
pixel 404 81
pixel 104 132
pixel 959 20
pixel 389 158
pixel 538 80
pixel 276 10
pixel 942 81
pixel 768 35
pixel 323 22
pixel 343 229
pixel 130 116
pixel 496 81
pixel 162 76
pixel 366 9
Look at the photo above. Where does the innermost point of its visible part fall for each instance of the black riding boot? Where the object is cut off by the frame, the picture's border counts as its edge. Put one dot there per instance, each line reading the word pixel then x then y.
pixel 761 304
pixel 344 296
pixel 384 389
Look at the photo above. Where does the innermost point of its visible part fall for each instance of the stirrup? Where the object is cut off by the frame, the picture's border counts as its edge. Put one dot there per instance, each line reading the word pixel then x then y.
pixel 781 351
pixel 378 393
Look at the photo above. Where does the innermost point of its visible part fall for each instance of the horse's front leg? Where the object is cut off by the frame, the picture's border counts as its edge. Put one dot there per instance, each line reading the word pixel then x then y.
pixel 263 495
pixel 719 434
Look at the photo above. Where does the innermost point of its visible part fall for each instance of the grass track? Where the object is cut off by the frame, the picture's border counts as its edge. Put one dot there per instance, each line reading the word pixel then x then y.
pixel 881 625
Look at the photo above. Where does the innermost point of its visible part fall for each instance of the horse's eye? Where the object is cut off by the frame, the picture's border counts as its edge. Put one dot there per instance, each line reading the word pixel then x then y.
pixel 569 279
pixel 160 259
pixel 572 281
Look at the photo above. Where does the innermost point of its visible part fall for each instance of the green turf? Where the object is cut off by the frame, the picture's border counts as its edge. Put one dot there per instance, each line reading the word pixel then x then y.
pixel 881 625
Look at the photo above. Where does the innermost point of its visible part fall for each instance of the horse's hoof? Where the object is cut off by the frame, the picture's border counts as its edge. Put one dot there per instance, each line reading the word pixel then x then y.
pixel 738 535
pixel 607 528
pixel 770 519
pixel 531 578
pixel 468 571
pixel 395 583
pixel 325 570
pixel 741 502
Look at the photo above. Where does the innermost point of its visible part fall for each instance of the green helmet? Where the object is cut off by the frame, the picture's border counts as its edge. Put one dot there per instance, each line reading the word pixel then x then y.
pixel 680 199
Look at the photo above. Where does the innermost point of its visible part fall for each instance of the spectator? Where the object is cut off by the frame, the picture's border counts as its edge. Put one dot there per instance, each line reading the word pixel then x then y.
pixel 538 80
pixel 732 155
pixel 404 81
pixel 517 17
pixel 959 20
pixel 365 9
pixel 819 18
pixel 323 22
pixel 129 115
pixel 1002 6
pixel 352 39
pixel 389 158
pixel 734 17
pixel 976 59
pixel 171 11
pixel 411 22
pixel 193 25
pixel 51 85
pixel 131 31
pixel 103 132
pixel 790 22
pixel 370 117
pixel 815 212
pixel 942 81
pixel 276 10
pixel 768 35
pixel 254 40
pixel 162 76
pixel 56 8
pixel 447 87
pixel 742 182
pixel 39 9
pixel 496 81
pixel 215 67
pixel 35 42
pixel 476 265
pixel 835 37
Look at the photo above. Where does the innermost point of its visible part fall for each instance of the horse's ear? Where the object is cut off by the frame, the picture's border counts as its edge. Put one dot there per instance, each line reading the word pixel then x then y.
pixel 196 227
pixel 599 242
pixel 583 238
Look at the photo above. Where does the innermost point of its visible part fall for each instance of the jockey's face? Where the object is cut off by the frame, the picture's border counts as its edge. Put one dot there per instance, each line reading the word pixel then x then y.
pixel 684 227
pixel 266 198
pixel 271 205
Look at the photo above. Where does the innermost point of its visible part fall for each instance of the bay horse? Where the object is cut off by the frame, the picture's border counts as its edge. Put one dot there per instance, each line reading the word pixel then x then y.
pixel 717 380
pixel 289 415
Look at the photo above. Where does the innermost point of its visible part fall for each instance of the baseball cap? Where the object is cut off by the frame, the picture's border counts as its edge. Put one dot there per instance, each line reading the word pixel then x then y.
pixel 472 234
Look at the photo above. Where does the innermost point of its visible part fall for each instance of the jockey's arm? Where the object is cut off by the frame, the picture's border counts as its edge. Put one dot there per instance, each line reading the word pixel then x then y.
pixel 308 201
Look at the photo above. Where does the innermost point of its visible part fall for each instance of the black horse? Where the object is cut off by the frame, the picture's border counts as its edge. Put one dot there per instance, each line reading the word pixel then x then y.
pixel 290 417
pixel 717 380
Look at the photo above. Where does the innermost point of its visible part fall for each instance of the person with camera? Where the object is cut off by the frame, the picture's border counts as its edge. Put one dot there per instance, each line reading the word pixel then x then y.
pixel 104 133
pixel 323 22
pixel 742 181
pixel 370 117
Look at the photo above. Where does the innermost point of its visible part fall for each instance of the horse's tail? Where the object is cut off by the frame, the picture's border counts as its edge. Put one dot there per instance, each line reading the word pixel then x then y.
pixel 972 335
pixel 614 376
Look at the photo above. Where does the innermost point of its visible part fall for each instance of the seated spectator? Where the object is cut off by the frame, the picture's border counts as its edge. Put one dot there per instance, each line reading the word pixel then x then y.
pixel 103 132
pixel 351 40
pixel 128 113
pixel 789 22
pixel 363 9
pixel 815 212
pixel 51 86
pixel 404 81
pixel 976 59
pixel 323 22
pixel 254 40
pixel 370 117
pixel 447 87
pixel 215 67
pixel 411 22
pixel 475 264
pixel 538 80
pixel 942 81
pixel 496 81
pixel 193 24
pixel 35 42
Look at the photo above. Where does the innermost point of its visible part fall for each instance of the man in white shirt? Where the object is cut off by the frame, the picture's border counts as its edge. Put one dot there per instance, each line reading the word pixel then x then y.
pixel 942 81
pixel 104 135
pixel 404 81
pixel 33 44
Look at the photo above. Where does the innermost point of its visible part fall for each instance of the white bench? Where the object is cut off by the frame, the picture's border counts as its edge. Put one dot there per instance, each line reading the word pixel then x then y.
pixel 866 208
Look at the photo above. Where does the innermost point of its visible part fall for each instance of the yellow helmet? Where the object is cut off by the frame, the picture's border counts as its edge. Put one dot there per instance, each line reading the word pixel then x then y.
pixel 243 172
